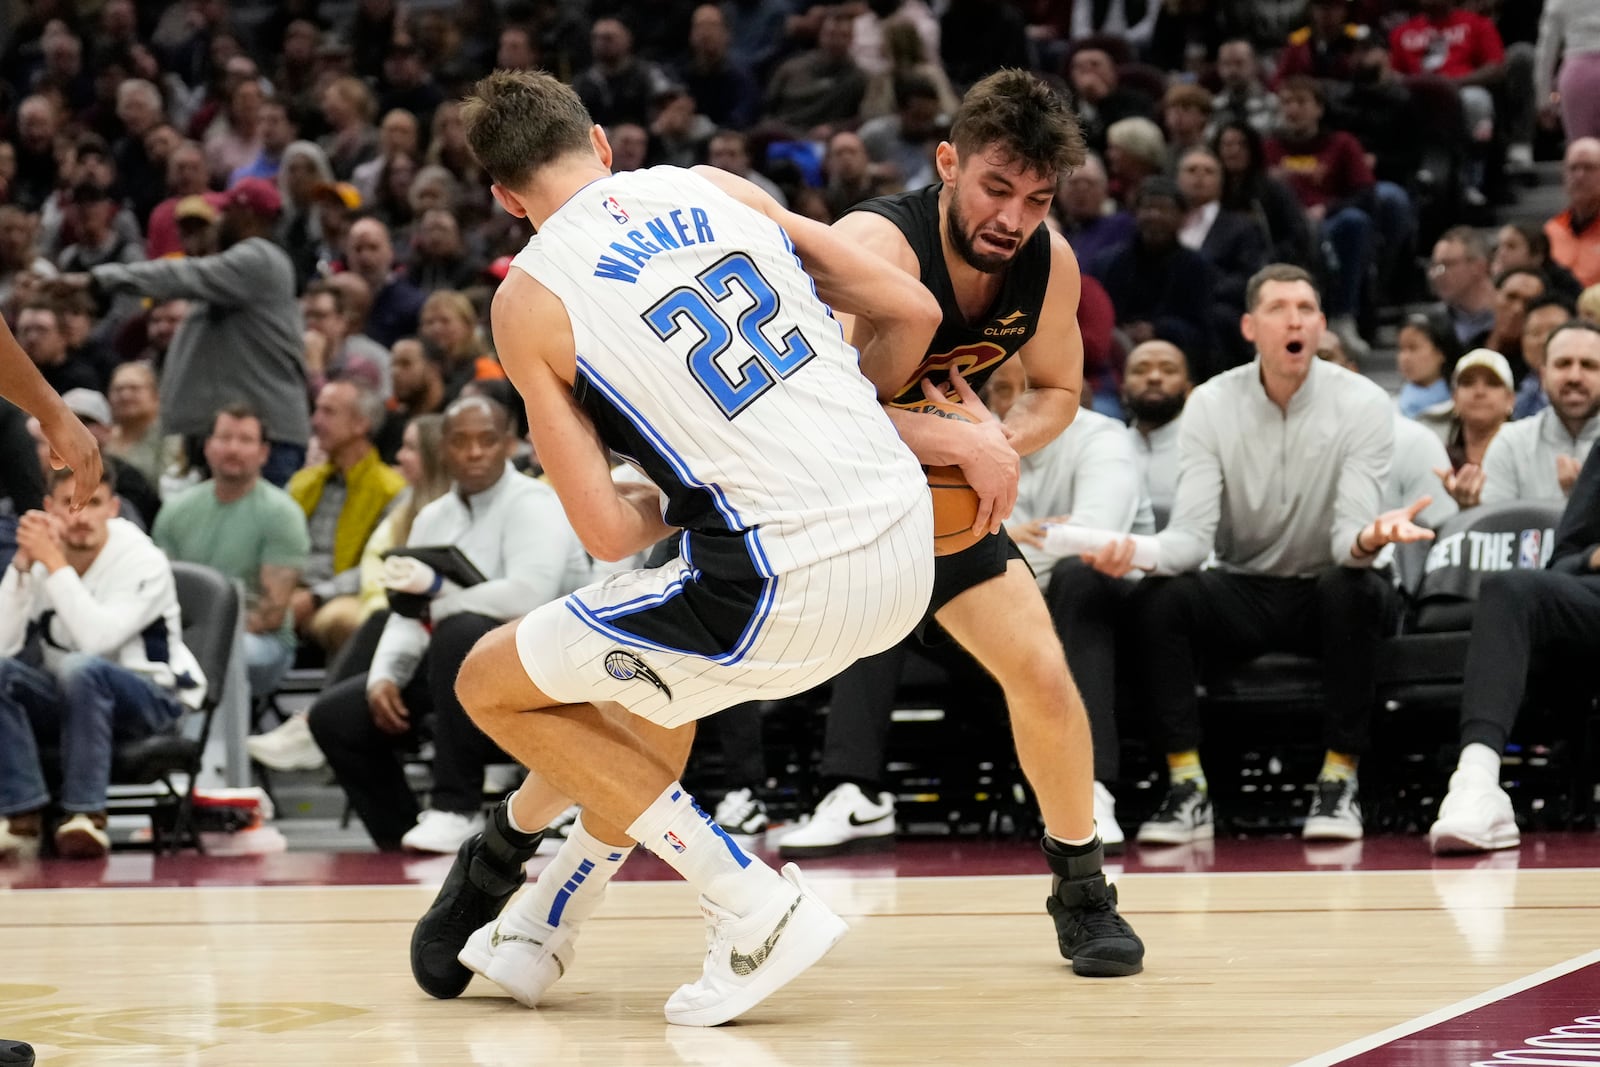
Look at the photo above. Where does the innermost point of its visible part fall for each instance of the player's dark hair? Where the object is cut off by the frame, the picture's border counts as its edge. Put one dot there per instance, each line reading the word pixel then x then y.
pixel 1025 117
pixel 520 120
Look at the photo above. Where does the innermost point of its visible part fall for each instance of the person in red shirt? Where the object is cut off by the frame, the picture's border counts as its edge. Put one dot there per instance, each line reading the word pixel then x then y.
pixel 1444 40
pixel 1330 176
pixel 1465 48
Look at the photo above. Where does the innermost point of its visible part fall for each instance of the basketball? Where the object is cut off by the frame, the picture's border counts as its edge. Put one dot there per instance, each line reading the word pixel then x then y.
pixel 955 504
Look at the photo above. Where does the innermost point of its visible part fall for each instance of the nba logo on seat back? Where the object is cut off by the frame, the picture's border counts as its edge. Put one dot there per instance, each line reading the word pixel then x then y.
pixel 1529 556
pixel 611 205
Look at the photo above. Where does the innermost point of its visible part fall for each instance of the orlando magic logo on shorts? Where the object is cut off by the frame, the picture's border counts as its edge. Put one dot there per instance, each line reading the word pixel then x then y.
pixel 625 666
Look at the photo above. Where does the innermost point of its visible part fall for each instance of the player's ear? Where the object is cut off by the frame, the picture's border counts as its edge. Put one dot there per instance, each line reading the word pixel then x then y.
pixel 1247 327
pixel 947 160
pixel 508 200
pixel 602 146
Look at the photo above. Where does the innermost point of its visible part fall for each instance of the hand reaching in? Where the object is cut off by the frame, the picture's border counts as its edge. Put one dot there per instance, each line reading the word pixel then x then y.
pixel 1465 486
pixel 993 466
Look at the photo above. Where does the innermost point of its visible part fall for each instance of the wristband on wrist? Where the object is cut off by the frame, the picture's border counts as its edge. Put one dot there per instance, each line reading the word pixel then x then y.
pixel 1362 550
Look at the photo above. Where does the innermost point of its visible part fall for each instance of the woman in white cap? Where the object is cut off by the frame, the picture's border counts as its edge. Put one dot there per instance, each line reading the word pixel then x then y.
pixel 1484 394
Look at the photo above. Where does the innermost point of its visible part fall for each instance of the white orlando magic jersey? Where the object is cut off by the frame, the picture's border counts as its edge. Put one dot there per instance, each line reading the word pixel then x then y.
pixel 706 358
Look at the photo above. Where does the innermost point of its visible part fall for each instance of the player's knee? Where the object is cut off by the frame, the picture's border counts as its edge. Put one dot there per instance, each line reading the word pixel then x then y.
pixel 1037 667
pixel 475 685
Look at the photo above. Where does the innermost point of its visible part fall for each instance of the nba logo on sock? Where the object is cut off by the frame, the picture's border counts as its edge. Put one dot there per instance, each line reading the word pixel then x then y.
pixel 611 205
pixel 676 842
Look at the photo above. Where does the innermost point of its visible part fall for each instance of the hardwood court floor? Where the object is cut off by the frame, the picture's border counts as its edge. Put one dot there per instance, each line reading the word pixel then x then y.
pixel 1243 968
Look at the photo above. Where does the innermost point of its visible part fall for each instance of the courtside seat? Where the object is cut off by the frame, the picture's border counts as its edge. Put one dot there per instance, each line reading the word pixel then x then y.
pixel 1424 664
pixel 212 610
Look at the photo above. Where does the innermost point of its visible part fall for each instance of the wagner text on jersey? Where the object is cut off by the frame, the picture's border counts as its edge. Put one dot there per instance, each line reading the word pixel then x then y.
pixel 659 234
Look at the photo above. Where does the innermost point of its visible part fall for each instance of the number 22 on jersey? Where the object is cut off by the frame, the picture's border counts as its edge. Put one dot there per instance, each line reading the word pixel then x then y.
pixel 732 390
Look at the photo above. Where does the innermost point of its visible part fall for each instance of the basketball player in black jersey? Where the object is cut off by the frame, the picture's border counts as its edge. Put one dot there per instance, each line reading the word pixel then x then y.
pixel 1008 287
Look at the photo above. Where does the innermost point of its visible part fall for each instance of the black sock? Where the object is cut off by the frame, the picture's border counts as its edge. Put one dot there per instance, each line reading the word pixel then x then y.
pixel 1073 862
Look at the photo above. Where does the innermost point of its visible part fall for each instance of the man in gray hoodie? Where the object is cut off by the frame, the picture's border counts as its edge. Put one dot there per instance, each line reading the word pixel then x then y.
pixel 242 338
pixel 1283 463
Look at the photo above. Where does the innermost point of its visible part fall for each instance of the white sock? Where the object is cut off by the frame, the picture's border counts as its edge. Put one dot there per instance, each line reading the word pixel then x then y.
pixel 674 828
pixel 511 818
pixel 1480 757
pixel 569 888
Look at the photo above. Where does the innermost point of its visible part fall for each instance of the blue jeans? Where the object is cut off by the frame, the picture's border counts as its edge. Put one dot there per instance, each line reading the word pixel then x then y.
pixel 92 703
pixel 1348 234
pixel 266 660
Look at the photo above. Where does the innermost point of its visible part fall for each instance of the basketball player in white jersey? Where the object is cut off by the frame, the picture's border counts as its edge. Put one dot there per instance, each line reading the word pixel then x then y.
pixel 664 315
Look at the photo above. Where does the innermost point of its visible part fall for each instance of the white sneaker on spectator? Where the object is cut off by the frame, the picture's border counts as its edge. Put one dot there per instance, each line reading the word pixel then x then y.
pixel 750 957
pixel 441 831
pixel 1184 816
pixel 1519 158
pixel 845 821
pixel 519 955
pixel 742 814
pixel 289 747
pixel 1476 816
pixel 502 777
pixel 1105 820
pixel 18 843
pixel 561 824
pixel 83 837
pixel 1335 812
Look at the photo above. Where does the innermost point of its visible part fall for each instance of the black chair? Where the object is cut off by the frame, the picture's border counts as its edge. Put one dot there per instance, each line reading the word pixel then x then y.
pixel 212 610
pixel 1424 664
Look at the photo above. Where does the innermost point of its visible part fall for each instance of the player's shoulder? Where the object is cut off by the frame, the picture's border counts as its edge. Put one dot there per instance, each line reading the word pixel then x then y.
pixel 879 234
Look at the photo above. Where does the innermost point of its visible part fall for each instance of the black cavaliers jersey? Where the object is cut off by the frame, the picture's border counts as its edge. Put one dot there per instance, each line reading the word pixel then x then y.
pixel 975 348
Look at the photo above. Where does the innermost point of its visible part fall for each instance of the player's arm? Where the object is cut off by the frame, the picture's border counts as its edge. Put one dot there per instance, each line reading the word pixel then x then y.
pixel 538 353
pixel 71 444
pixel 1053 359
pixel 901 314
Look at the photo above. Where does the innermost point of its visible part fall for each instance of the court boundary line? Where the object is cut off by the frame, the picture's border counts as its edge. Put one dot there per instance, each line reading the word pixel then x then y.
pixel 1450 1011
pixel 823 875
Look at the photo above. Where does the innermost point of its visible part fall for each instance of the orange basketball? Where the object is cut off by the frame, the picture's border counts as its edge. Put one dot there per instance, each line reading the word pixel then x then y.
pixel 955 504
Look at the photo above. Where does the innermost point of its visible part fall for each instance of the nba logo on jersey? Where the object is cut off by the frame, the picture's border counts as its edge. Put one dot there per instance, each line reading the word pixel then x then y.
pixel 675 841
pixel 611 205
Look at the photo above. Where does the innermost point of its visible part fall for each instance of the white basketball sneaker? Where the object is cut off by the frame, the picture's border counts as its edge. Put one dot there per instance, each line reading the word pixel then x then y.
pixel 1476 816
pixel 750 957
pixel 846 820
pixel 520 955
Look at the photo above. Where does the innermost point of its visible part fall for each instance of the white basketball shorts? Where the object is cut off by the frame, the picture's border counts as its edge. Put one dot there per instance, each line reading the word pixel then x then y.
pixel 673 645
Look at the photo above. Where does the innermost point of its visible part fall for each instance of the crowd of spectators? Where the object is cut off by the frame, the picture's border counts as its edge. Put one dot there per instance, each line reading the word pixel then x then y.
pixel 250 246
